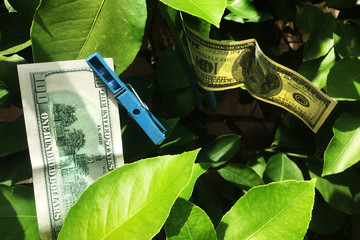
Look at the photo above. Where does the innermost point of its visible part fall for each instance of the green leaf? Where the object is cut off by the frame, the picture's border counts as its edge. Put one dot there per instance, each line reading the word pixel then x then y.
pixel 209 10
pixel 131 202
pixel 25 7
pixel 179 136
pixel 17 213
pixel 320 40
pixel 198 170
pixel 14 33
pixel 9 78
pixel 248 10
pixel 75 29
pixel 303 17
pixel 280 168
pixel 325 219
pixel 187 221
pixel 343 80
pixel 241 175
pixel 343 150
pixel 221 149
pixel 171 75
pixel 341 191
pixel 15 167
pixel 12 137
pixel 317 70
pixel 258 164
pixel 347 40
pixel 5 98
pixel 279 210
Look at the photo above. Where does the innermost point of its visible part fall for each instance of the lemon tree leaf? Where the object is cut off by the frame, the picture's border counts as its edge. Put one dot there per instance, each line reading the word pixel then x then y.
pixel 198 170
pixel 17 213
pixel 321 28
pixel 209 10
pixel 68 29
pixel 131 202
pixel 343 150
pixel 341 190
pixel 241 175
pixel 221 149
pixel 347 40
pixel 343 86
pixel 280 168
pixel 188 221
pixel 262 214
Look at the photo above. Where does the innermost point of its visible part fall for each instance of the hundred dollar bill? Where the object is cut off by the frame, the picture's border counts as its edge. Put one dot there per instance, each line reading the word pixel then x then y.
pixel 225 65
pixel 73 131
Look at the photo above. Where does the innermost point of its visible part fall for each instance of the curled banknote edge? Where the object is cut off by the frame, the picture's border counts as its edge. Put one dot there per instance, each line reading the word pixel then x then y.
pixel 225 65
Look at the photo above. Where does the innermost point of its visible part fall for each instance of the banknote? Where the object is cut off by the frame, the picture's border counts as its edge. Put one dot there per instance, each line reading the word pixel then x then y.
pixel 223 65
pixel 73 131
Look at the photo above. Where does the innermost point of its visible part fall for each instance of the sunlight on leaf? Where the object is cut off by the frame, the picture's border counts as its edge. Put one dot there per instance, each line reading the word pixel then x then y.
pixel 209 10
pixel 343 150
pixel 131 202
pixel 68 29
pixel 262 214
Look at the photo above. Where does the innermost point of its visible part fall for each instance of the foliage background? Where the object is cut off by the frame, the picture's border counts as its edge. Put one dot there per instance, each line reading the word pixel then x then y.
pixel 245 142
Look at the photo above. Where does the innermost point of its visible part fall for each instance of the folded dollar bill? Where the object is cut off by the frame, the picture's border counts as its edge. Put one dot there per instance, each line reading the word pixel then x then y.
pixel 224 65
pixel 73 132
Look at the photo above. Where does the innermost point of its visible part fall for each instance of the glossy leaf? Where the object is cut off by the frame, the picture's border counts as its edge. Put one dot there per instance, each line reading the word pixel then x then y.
pixel 68 29
pixel 321 27
pixel 280 168
pixel 343 86
pixel 221 149
pixel 258 164
pixel 198 170
pixel 25 7
pixel 131 202
pixel 343 150
pixel 347 40
pixel 188 221
pixel 241 175
pixel 5 98
pixel 248 11
pixel 179 136
pixel 12 137
pixel 262 214
pixel 17 213
pixel 14 33
pixel 15 167
pixel 209 10
pixel 341 191
pixel 317 70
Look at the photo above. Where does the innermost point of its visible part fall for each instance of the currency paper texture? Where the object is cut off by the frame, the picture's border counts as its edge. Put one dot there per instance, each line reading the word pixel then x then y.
pixel 225 65
pixel 73 132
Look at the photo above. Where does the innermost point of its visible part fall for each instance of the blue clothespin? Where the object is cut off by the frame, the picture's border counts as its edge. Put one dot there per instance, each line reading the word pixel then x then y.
pixel 128 98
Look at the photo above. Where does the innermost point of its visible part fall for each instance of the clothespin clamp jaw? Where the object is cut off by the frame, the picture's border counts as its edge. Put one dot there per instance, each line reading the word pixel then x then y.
pixel 128 99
